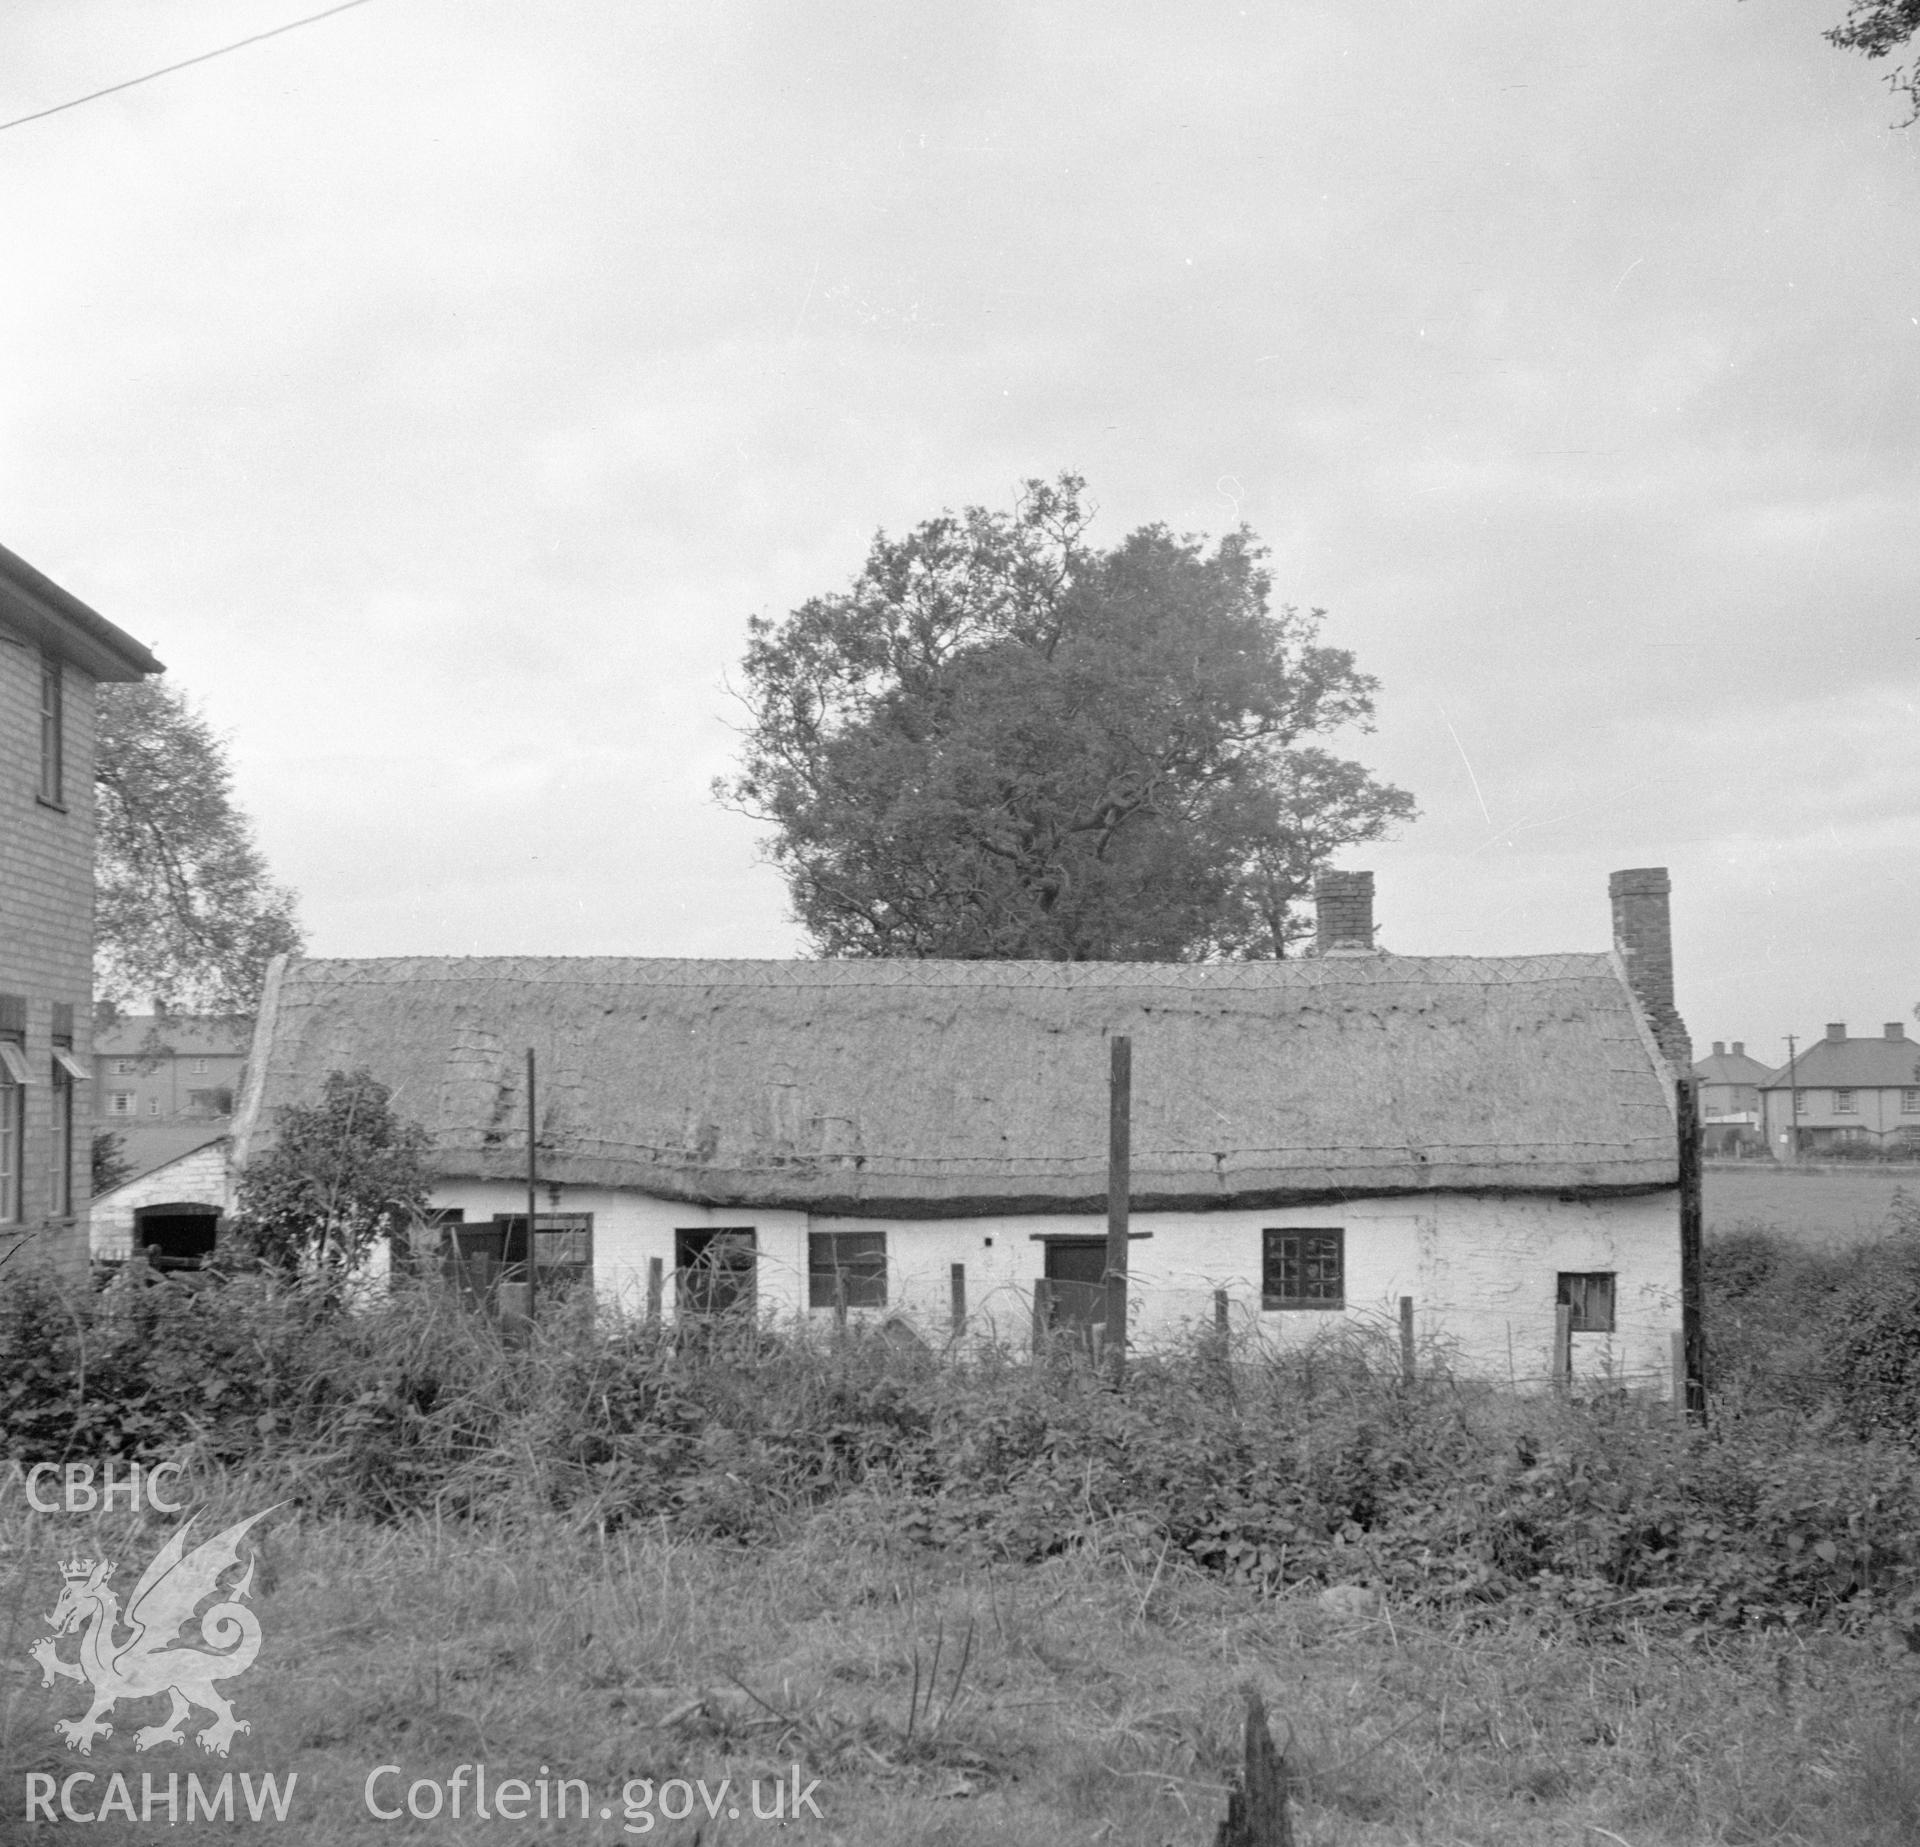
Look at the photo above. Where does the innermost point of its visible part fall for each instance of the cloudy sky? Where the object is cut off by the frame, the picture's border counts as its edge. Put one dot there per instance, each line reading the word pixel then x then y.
pixel 439 388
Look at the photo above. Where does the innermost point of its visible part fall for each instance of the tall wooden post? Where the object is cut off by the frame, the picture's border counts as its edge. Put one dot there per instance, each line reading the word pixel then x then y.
pixel 957 1289
pixel 1693 1293
pixel 1119 1191
pixel 1406 1340
pixel 533 1177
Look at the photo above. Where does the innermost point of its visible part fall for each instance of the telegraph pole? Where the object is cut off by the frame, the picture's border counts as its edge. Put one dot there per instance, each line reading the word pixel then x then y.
pixel 1793 1099
pixel 1119 1190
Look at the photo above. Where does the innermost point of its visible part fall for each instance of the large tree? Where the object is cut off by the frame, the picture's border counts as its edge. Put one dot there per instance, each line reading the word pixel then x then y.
pixel 186 916
pixel 1003 742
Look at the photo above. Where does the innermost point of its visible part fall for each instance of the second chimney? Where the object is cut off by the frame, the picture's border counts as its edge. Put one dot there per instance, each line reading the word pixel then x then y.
pixel 1343 913
pixel 1643 936
pixel 1896 1029
pixel 1836 1032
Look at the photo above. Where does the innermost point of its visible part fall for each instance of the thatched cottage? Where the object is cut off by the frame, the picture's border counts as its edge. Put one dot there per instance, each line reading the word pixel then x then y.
pixel 1312 1139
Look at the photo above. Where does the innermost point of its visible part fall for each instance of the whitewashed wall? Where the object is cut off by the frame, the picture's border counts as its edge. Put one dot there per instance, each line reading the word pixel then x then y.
pixel 1481 1268
pixel 196 1178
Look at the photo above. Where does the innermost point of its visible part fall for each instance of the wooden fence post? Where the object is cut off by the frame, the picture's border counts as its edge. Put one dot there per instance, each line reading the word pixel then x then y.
pixel 1119 1196
pixel 1693 1292
pixel 1257 1810
pixel 656 1289
pixel 1563 1345
pixel 1406 1340
pixel 958 1280
pixel 1679 1373
pixel 1220 1307
pixel 1042 1314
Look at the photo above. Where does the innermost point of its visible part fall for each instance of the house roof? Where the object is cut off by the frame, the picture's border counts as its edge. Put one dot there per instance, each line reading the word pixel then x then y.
pixel 1851 1064
pixel 36 606
pixel 144 1035
pixel 1730 1068
pixel 948 1088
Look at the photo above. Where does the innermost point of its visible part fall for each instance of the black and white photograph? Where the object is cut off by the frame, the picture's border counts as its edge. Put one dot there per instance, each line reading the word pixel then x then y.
pixel 967 925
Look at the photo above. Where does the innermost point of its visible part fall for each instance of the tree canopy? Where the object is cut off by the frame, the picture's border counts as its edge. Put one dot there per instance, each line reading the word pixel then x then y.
pixel 1878 28
pixel 1003 742
pixel 341 1173
pixel 186 915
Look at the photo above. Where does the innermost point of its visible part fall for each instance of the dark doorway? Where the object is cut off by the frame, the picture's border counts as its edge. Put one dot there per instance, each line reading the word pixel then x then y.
pixel 1077 1284
pixel 713 1271
pixel 182 1235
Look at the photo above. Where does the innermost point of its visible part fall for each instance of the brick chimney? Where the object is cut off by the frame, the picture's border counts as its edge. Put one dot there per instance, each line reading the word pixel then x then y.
pixel 1718 1049
pixel 1343 913
pixel 1836 1032
pixel 1895 1030
pixel 1739 1048
pixel 1643 939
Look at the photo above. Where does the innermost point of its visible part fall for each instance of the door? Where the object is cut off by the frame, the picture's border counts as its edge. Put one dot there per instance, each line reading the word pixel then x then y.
pixel 713 1270
pixel 1077 1284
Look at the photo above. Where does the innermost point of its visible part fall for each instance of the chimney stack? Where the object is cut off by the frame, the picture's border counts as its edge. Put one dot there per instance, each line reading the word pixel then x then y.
pixel 1836 1032
pixel 1739 1048
pixel 1343 913
pixel 1895 1030
pixel 1643 939
pixel 1719 1050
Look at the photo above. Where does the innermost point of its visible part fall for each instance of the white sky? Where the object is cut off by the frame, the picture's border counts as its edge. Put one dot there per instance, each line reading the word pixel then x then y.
pixel 439 388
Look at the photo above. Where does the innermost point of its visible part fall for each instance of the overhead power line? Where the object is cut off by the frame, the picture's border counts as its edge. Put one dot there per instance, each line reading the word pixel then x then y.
pixel 292 25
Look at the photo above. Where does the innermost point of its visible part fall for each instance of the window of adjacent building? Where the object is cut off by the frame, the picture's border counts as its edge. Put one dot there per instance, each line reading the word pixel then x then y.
pixel 1306 1268
pixel 1590 1295
pixel 60 1200
pixel 199 1067
pixel 1799 1102
pixel 1843 1103
pixel 1910 1103
pixel 119 1103
pixel 125 1067
pixel 847 1269
pixel 53 771
pixel 13 1130
pixel 153 1106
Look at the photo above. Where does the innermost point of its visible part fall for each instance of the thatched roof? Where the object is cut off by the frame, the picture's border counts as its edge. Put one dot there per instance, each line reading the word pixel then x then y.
pixel 910 1087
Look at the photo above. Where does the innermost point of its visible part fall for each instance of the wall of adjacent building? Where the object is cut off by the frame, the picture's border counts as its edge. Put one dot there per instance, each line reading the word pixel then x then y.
pixel 46 923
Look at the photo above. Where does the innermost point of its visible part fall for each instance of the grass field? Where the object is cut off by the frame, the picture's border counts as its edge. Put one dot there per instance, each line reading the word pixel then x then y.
pixel 1092 1698
pixel 1827 1207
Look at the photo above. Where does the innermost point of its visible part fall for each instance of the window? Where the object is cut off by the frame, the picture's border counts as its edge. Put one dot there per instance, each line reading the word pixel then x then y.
pixel 847 1269
pixel 1303 1269
pixel 153 1106
pixel 53 774
pixel 125 1067
pixel 199 1067
pixel 1799 1102
pixel 66 1073
pixel 13 1124
pixel 119 1103
pixel 1910 1103
pixel 1590 1295
pixel 1843 1103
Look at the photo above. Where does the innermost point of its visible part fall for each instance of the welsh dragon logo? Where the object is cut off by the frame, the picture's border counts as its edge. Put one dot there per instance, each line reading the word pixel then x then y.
pixel 148 1662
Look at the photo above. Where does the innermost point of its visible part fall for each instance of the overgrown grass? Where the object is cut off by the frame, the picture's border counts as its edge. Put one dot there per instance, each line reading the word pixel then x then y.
pixel 987 1600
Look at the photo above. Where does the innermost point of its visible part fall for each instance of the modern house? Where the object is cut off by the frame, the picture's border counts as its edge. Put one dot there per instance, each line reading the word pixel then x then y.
pixel 926 1141
pixel 164 1087
pixel 1729 1096
pixel 1845 1096
pixel 54 651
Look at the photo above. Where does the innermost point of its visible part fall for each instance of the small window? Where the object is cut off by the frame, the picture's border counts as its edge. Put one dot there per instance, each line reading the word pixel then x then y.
pixel 199 1067
pixel 1590 1295
pixel 119 1103
pixel 53 768
pixel 125 1067
pixel 1799 1102
pixel 847 1269
pixel 1303 1269
pixel 1843 1104
pixel 1910 1103
pixel 153 1106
